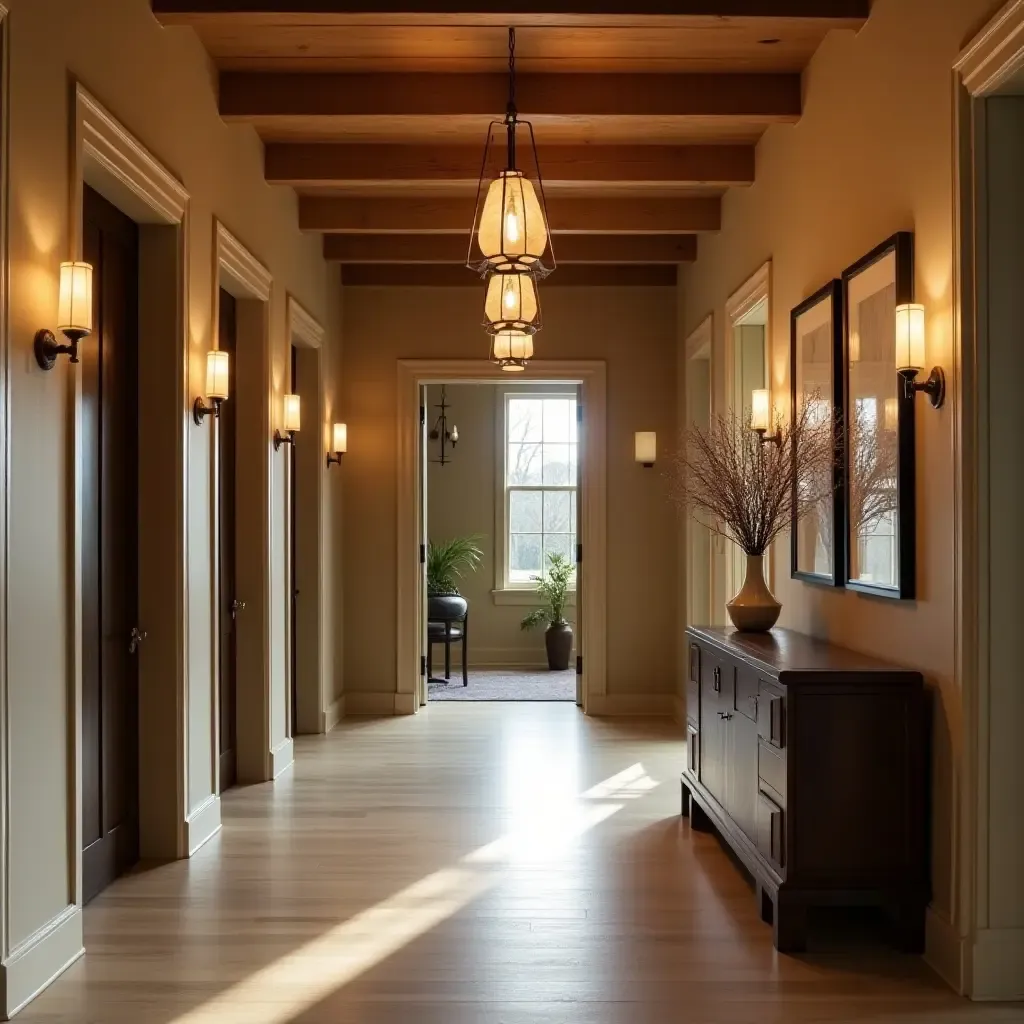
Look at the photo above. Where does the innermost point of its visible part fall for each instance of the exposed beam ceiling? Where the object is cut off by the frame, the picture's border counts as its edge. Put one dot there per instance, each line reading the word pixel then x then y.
pixel 563 108
pixel 349 164
pixel 619 249
pixel 452 276
pixel 403 215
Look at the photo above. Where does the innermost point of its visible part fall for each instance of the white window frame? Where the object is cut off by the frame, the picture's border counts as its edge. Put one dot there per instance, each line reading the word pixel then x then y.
pixel 507 592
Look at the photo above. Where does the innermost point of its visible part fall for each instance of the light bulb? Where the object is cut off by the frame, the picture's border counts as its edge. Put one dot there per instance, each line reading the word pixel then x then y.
pixel 511 221
pixel 510 297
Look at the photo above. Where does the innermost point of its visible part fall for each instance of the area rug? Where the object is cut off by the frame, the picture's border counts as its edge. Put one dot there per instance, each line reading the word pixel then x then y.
pixel 506 684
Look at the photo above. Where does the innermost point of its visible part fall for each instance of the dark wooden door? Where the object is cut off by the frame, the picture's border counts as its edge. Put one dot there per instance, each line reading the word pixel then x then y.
pixel 712 738
pixel 109 469
pixel 229 608
pixel 293 578
pixel 741 771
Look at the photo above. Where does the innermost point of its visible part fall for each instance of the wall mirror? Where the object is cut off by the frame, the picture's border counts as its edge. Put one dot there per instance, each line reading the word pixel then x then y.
pixel 818 540
pixel 879 424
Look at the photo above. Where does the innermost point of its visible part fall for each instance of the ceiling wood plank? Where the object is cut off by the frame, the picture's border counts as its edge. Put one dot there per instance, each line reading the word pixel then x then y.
pixel 263 96
pixel 447 275
pixel 609 249
pixel 411 215
pixel 304 164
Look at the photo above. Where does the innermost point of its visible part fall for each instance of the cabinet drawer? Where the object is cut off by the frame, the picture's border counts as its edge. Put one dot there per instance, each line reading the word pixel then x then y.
pixel 692 751
pixel 771 767
pixel 771 715
pixel 769 830
pixel 746 693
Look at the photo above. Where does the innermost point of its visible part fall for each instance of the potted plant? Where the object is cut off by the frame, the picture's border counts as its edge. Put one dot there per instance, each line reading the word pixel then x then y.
pixel 553 589
pixel 447 562
pixel 744 486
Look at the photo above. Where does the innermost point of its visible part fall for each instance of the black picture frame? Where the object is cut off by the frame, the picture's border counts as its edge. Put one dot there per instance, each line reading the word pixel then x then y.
pixel 901 246
pixel 832 294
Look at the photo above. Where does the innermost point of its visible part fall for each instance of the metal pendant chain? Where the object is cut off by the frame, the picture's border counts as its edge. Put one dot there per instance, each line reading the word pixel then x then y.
pixel 510 110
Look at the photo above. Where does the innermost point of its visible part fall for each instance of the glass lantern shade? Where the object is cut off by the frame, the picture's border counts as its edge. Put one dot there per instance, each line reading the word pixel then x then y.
pixel 511 350
pixel 512 232
pixel 511 303
pixel 760 409
pixel 217 374
pixel 339 438
pixel 292 418
pixel 910 336
pixel 645 447
pixel 74 305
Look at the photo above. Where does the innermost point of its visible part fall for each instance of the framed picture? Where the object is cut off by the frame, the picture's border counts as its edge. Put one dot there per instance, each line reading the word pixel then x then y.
pixel 878 423
pixel 818 539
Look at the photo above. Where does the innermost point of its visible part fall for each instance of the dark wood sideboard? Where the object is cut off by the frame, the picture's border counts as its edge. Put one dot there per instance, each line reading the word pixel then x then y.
pixel 811 762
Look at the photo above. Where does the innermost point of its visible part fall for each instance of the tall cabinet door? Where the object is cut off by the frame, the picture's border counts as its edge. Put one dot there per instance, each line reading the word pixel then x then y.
pixel 110 558
pixel 229 605
pixel 712 734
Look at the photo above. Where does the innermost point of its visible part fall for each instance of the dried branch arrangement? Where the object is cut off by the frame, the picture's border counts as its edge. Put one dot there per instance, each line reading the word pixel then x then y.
pixel 745 489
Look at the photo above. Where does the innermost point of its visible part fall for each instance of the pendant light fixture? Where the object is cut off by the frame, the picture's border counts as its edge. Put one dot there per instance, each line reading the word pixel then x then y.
pixel 512 350
pixel 511 303
pixel 510 227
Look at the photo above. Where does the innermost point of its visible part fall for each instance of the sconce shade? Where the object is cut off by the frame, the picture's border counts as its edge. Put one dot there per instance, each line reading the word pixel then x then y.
pixel 512 227
pixel 511 350
pixel 74 305
pixel 339 438
pixel 511 302
pixel 217 374
pixel 292 418
pixel 892 413
pixel 760 409
pixel 910 336
pixel 645 445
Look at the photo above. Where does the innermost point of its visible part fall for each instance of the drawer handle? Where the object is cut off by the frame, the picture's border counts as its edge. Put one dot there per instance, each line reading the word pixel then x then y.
pixel 725 714
pixel 718 679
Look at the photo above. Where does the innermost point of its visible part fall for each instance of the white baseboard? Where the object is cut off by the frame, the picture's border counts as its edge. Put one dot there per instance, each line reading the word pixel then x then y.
pixel 202 824
pixel 282 757
pixel 334 714
pixel 997 965
pixel 614 704
pixel 370 704
pixel 944 949
pixel 405 704
pixel 40 960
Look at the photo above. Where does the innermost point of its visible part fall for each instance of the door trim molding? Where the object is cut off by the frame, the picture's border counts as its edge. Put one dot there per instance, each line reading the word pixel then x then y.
pixel 593 512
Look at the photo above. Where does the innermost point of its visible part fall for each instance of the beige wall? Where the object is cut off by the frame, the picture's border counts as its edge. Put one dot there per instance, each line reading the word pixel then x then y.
pixel 160 85
pixel 871 155
pixel 633 330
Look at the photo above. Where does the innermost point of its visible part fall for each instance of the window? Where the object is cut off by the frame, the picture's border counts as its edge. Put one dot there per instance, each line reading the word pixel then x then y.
pixel 540 478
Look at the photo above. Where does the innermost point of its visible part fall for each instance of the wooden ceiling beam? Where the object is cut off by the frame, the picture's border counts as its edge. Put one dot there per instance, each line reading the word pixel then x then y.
pixel 538 11
pixel 592 216
pixel 330 164
pixel 608 249
pixel 447 275
pixel 263 96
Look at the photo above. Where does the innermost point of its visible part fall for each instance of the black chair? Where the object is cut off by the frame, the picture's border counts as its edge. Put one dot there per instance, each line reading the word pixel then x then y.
pixel 448 631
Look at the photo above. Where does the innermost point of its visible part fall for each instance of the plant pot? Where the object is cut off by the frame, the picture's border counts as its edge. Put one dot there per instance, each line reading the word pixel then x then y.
pixel 558 641
pixel 754 609
pixel 446 608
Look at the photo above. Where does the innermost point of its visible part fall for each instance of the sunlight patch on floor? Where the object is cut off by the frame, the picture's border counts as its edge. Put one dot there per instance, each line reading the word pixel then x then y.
pixel 294 983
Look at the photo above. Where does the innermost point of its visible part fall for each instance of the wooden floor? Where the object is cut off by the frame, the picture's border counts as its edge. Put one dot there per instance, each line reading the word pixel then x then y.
pixel 482 863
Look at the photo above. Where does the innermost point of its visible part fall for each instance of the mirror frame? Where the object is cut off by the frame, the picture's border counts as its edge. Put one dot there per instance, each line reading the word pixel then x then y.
pixel 833 294
pixel 902 245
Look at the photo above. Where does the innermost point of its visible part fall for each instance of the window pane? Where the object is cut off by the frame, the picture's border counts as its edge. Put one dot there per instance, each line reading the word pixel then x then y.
pixel 524 464
pixel 558 512
pixel 557 468
pixel 558 544
pixel 556 419
pixel 574 471
pixel 524 511
pixel 573 426
pixel 572 510
pixel 525 419
pixel 524 556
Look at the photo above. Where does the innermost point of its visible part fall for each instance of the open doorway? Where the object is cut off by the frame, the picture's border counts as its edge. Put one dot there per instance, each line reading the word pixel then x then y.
pixel 500 471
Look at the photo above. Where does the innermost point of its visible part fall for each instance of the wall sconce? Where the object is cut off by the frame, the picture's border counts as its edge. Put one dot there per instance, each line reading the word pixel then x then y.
pixel 218 365
pixel 910 355
pixel 339 444
pixel 74 315
pixel 291 421
pixel 645 447
pixel 761 416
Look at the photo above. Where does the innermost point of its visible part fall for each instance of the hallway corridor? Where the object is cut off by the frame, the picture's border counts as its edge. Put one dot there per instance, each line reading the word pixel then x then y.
pixel 506 863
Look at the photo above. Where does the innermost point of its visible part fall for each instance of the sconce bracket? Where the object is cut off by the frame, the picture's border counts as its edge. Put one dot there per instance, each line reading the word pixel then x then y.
pixel 334 460
pixel 46 348
pixel 765 438
pixel 280 439
pixel 200 410
pixel 934 387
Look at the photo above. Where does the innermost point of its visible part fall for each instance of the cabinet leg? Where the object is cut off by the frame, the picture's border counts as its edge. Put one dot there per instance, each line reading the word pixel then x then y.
pixel 764 904
pixel 907 920
pixel 685 803
pixel 699 821
pixel 790 924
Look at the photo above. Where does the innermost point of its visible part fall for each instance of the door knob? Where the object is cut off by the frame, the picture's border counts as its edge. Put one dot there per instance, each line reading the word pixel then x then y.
pixel 236 607
pixel 137 636
pixel 725 715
